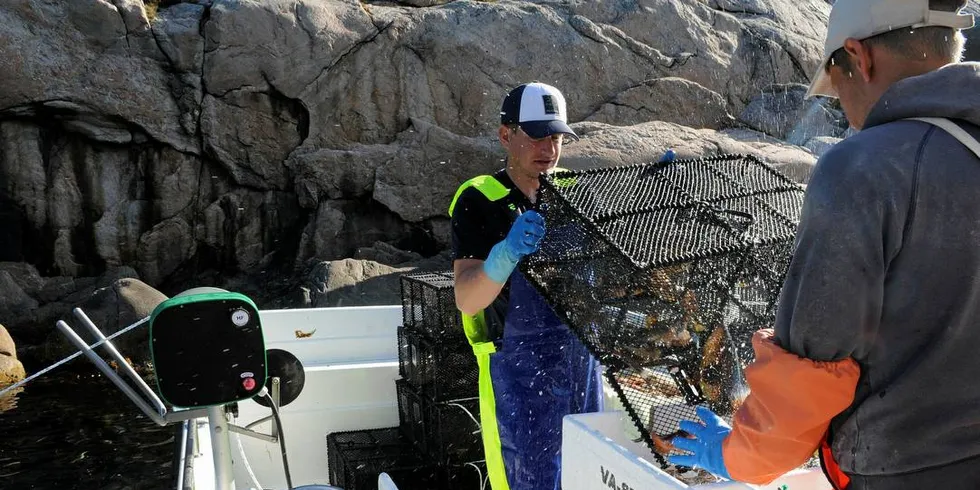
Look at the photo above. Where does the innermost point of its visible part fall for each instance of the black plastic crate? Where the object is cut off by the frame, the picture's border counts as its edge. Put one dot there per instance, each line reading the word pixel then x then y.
pixel 446 431
pixel 466 476
pixel 356 458
pixel 437 370
pixel 429 305
pixel 664 270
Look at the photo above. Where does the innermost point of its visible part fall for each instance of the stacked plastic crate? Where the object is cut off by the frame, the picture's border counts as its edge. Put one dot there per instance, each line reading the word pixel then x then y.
pixel 438 405
pixel 438 443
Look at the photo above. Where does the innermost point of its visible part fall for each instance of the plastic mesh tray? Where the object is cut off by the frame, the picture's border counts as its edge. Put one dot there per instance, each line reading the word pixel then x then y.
pixel 665 270
pixel 356 458
pixel 429 305
pixel 437 370
pixel 446 432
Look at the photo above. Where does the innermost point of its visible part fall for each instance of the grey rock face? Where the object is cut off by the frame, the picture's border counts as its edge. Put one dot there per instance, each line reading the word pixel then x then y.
pixel 230 136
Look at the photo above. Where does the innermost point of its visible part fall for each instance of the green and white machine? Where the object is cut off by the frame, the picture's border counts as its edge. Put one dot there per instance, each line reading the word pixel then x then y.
pixel 207 349
pixel 208 353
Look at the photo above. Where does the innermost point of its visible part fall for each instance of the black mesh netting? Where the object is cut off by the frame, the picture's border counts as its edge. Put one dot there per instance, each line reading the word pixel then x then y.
pixel 664 271
pixel 429 306
pixel 437 370
pixel 447 431
pixel 355 458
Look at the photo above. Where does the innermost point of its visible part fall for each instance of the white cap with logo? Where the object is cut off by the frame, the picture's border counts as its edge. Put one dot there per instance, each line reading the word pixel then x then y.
pixel 861 19
pixel 538 108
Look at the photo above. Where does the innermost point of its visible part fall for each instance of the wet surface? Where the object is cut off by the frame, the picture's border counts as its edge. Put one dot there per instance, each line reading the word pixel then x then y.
pixel 72 429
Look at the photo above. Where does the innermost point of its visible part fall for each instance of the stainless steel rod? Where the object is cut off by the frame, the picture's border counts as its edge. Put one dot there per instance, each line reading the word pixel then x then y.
pixel 109 373
pixel 111 348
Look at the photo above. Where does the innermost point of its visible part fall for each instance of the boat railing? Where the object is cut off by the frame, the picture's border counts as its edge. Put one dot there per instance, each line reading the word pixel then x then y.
pixel 147 401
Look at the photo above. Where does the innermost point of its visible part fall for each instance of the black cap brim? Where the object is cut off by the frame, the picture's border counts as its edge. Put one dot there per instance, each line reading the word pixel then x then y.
pixel 543 129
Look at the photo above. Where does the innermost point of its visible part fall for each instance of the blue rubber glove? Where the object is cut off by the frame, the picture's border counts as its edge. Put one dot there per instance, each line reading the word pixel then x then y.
pixel 668 157
pixel 523 238
pixel 706 445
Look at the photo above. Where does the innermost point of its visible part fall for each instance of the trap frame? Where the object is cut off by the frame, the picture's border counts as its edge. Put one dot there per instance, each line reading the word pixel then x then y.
pixel 664 271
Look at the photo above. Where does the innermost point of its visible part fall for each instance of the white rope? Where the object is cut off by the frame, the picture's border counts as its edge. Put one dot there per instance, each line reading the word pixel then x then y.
pixel 479 473
pixel 248 467
pixel 69 358
pixel 475 421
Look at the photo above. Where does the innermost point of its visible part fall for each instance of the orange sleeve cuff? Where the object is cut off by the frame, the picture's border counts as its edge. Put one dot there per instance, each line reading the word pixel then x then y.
pixel 791 403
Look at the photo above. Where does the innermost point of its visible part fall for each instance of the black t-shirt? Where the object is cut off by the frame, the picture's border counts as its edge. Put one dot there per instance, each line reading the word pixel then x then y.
pixel 477 225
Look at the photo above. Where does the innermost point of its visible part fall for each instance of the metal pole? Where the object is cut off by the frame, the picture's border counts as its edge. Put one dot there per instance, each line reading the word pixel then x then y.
pixel 251 433
pixel 182 455
pixel 224 477
pixel 276 385
pixel 69 358
pixel 108 372
pixel 111 348
pixel 160 418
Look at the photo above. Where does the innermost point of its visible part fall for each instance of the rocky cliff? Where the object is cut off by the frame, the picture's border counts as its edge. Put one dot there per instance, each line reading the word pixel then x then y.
pixel 187 142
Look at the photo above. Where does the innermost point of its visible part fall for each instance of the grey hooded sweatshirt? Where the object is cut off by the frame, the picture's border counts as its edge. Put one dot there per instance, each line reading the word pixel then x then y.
pixel 887 271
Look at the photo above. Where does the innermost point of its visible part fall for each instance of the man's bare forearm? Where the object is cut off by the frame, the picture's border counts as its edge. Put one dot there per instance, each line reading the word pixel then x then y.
pixel 474 289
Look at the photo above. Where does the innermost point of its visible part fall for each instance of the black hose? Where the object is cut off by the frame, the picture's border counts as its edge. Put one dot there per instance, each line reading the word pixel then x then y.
pixel 282 440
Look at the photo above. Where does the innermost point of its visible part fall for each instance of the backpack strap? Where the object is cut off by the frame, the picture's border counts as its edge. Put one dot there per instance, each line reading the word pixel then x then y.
pixel 490 187
pixel 955 131
pixel 493 190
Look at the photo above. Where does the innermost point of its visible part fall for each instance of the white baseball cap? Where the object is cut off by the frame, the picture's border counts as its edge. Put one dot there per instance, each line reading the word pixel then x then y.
pixel 861 19
pixel 538 108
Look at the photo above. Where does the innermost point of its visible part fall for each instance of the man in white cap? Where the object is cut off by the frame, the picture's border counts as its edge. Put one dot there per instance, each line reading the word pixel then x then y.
pixel 533 370
pixel 873 359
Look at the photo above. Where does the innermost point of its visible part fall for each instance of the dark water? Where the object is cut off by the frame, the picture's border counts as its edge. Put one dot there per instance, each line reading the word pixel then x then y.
pixel 72 429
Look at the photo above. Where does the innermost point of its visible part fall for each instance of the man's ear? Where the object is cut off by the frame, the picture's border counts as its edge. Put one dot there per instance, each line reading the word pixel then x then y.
pixel 862 58
pixel 505 135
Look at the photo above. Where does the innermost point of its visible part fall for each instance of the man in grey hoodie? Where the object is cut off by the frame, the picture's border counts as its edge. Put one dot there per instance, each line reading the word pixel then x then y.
pixel 874 359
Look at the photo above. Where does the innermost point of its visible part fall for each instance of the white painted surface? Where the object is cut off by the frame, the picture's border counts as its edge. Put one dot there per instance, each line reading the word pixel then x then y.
pixel 351 364
pixel 596 455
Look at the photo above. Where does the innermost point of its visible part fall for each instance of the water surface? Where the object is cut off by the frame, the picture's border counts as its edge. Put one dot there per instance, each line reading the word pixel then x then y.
pixel 72 429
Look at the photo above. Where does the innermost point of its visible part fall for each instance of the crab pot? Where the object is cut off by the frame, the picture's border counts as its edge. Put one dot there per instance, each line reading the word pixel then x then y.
pixel 664 270
pixel 429 306
pixel 446 432
pixel 356 458
pixel 437 370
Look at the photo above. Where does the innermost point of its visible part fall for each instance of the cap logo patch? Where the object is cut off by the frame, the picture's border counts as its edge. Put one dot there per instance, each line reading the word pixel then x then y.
pixel 549 104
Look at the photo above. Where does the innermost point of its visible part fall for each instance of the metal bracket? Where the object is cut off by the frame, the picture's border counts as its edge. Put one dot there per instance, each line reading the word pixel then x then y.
pixel 159 415
pixel 153 407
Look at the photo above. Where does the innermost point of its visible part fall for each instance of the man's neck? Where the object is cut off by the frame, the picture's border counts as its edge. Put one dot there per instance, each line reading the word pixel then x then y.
pixel 528 185
pixel 890 73
pixel 909 70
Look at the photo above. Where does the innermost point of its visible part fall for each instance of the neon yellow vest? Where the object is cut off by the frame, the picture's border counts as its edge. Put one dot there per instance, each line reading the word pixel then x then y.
pixel 474 326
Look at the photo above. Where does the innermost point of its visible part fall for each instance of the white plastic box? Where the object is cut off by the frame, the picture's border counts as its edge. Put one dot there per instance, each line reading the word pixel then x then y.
pixel 596 455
